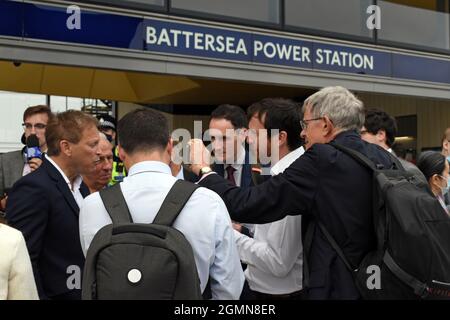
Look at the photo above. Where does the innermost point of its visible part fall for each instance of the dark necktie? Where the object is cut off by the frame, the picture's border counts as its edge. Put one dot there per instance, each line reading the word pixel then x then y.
pixel 230 174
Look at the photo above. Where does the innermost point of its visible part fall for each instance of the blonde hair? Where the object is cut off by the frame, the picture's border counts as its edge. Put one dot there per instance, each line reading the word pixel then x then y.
pixel 68 126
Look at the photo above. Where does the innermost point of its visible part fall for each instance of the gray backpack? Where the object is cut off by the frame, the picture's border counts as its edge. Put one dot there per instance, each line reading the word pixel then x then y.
pixel 136 261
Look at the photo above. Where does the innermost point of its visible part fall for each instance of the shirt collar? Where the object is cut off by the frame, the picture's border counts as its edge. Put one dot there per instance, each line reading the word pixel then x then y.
pixel 240 158
pixel 180 174
pixel 286 161
pixel 155 166
pixel 342 136
pixel 76 183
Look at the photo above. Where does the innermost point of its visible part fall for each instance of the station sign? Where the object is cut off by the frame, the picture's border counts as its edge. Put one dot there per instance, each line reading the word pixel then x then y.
pixel 87 27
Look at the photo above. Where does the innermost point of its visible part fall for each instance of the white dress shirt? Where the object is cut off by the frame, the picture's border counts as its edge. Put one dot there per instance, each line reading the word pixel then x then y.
pixel 180 174
pixel 26 169
pixel 75 188
pixel 204 221
pixel 26 166
pixel 274 256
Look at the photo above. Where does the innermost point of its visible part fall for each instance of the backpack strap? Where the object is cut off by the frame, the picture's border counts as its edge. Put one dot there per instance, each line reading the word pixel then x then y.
pixel 397 164
pixel 336 247
pixel 365 161
pixel 307 244
pixel 360 158
pixel 174 202
pixel 420 288
pixel 115 205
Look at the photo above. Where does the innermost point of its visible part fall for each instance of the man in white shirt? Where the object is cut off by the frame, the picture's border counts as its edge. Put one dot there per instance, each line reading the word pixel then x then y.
pixel 274 254
pixel 145 148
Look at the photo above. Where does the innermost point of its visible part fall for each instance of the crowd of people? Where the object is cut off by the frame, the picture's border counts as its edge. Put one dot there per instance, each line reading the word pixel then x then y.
pixel 248 221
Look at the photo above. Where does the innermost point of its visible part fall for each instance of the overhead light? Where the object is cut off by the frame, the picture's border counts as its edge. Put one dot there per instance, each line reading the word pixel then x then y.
pixel 404 138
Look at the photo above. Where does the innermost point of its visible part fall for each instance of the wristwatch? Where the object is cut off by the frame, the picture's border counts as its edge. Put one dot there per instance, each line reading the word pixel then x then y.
pixel 204 171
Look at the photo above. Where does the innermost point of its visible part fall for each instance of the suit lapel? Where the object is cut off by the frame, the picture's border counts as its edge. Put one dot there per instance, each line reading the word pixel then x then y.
pixel 84 190
pixel 62 186
pixel 219 169
pixel 246 179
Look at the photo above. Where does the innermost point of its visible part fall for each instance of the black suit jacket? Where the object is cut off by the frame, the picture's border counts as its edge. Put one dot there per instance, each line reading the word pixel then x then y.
pixel 42 206
pixel 189 175
pixel 323 184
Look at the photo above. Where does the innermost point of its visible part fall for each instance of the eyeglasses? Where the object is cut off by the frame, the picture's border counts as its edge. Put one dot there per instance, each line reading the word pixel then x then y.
pixel 304 123
pixel 37 126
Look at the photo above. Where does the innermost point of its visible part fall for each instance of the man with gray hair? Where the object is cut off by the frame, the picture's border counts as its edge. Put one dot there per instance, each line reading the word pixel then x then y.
pixel 100 177
pixel 323 185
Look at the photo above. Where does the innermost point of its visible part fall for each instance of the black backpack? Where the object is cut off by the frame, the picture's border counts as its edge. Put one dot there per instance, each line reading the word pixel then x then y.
pixel 136 261
pixel 412 254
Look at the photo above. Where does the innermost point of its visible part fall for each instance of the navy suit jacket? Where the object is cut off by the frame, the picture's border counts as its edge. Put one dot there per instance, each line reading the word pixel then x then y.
pixel 323 184
pixel 43 208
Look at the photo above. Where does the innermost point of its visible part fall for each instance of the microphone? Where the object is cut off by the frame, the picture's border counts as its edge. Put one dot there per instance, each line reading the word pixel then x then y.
pixel 33 150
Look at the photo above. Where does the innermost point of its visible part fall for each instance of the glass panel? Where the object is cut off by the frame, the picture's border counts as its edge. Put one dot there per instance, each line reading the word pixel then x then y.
pixel 259 10
pixel 74 103
pixel 415 26
pixel 61 104
pixel 130 3
pixel 435 5
pixel 58 104
pixel 343 16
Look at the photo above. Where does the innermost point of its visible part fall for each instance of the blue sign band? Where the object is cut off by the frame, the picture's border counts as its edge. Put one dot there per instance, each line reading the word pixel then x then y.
pixel 89 27
pixel 11 18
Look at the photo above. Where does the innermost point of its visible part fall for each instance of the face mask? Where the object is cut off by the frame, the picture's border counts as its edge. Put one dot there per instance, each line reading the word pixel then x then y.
pixel 446 189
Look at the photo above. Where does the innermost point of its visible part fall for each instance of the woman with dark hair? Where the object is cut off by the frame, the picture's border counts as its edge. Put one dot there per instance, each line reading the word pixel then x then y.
pixel 435 167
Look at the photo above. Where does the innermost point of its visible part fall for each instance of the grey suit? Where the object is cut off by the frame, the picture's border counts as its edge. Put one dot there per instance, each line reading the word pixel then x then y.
pixel 11 169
